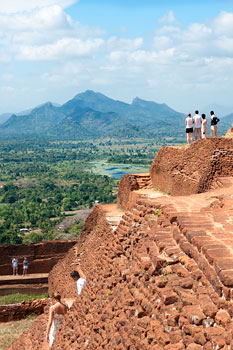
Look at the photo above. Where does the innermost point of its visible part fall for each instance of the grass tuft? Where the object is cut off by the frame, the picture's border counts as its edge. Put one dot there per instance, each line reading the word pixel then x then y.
pixel 18 298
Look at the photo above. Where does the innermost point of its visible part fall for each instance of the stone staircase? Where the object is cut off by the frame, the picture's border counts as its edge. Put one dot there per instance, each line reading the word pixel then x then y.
pixel 143 180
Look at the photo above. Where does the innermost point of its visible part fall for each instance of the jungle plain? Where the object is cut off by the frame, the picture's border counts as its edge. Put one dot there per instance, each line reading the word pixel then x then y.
pixel 43 182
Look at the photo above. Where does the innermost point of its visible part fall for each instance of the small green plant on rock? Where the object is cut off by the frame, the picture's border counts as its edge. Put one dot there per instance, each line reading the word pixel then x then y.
pixel 166 273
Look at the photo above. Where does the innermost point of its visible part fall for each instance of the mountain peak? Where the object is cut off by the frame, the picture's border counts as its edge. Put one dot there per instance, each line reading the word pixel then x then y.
pixel 138 101
pixel 90 94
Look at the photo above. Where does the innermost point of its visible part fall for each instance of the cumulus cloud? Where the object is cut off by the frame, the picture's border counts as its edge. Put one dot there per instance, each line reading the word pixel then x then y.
pixel 67 47
pixel 47 18
pixel 187 57
pixel 14 6
pixel 73 47
pixel 203 40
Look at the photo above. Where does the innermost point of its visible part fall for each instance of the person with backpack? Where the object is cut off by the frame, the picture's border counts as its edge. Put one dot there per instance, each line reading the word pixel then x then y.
pixel 214 122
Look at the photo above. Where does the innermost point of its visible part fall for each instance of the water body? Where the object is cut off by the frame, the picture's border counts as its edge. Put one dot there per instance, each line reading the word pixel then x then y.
pixel 119 174
pixel 116 171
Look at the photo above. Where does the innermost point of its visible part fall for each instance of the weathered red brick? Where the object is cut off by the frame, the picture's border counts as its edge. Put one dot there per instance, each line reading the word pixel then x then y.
pixel 222 318
pixel 226 277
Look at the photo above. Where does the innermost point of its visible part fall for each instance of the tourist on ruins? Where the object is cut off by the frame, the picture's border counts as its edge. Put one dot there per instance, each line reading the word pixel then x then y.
pixel 203 126
pixel 15 266
pixel 25 266
pixel 56 316
pixel 197 127
pixel 79 277
pixel 214 122
pixel 189 127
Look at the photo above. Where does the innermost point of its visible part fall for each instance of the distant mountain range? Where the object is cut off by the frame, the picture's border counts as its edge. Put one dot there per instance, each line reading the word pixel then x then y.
pixel 92 114
pixel 5 116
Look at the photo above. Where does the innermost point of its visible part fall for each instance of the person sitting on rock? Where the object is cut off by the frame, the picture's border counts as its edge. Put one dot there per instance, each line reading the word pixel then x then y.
pixel 15 266
pixel 25 266
pixel 56 316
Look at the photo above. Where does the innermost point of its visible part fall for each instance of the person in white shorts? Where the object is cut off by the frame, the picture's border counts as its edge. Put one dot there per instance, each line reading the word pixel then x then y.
pixel 197 127
pixel 15 266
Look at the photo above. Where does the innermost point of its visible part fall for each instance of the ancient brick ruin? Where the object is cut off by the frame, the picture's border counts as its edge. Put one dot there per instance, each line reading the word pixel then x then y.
pixel 159 264
pixel 41 256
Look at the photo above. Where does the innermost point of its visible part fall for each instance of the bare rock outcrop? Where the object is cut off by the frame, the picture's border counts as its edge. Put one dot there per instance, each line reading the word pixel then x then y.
pixel 192 169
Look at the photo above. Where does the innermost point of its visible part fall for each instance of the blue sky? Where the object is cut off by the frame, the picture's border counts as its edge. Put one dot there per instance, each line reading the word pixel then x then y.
pixel 169 51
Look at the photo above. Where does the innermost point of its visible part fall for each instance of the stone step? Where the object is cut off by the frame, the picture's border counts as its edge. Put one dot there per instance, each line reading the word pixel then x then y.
pixel 28 279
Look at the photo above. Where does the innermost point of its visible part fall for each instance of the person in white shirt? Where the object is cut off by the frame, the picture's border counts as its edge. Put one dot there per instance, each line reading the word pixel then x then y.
pixel 15 266
pixel 197 127
pixel 189 127
pixel 203 126
pixel 79 277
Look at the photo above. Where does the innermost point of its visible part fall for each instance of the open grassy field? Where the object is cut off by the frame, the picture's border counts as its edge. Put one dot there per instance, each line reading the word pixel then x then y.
pixel 10 331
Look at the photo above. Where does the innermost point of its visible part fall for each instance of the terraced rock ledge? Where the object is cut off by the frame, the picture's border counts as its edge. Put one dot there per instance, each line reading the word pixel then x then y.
pixel 159 264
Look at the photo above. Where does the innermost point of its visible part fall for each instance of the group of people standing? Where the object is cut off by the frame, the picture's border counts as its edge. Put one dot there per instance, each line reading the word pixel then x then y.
pixel 197 125
pixel 15 266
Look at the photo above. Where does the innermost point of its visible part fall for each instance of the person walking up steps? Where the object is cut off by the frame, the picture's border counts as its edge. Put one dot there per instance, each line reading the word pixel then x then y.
pixel 56 316
pixel 78 276
pixel 197 127
pixel 214 122
pixel 189 127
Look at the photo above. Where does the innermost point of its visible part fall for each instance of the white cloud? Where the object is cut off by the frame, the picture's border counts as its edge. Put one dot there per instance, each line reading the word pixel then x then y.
pixel 14 6
pixel 115 44
pixel 212 39
pixel 67 47
pixel 223 23
pixel 48 18
pixel 169 18
pixel 177 58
